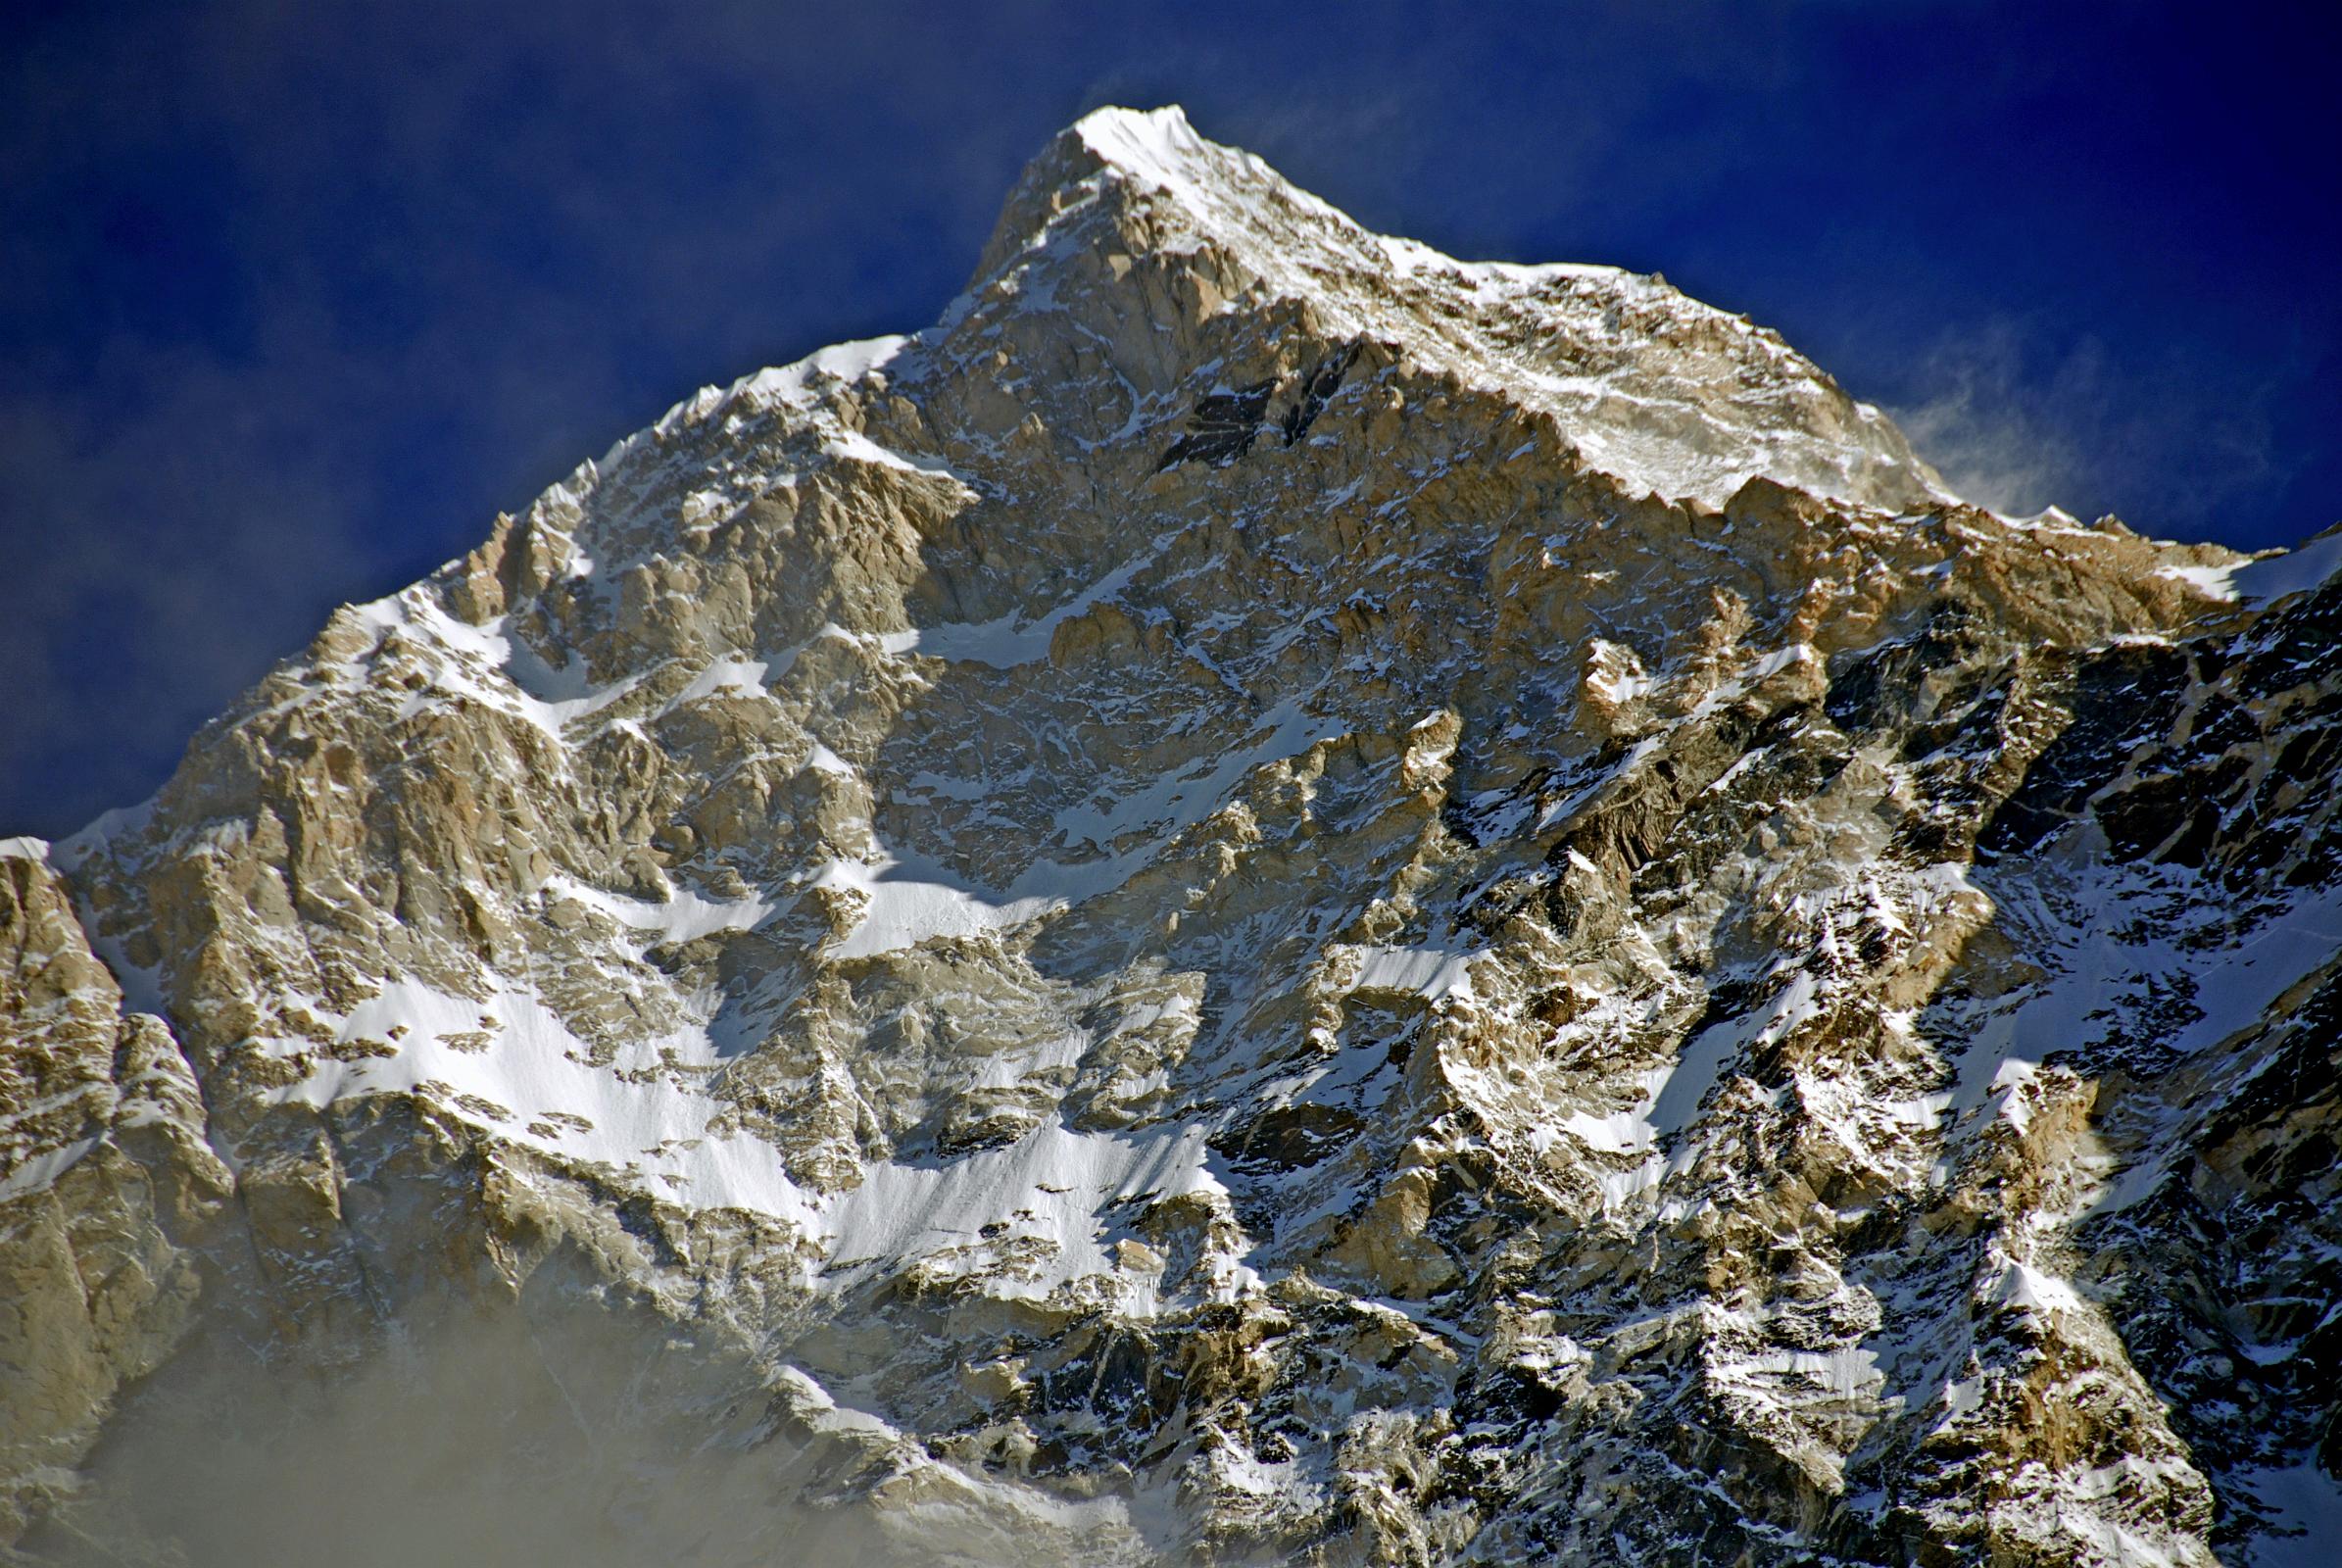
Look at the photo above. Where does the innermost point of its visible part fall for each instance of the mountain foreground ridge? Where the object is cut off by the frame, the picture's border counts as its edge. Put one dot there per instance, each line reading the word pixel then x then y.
pixel 1269 897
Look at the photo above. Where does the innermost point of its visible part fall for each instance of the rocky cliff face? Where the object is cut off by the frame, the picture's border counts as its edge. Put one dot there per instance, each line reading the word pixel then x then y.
pixel 1268 898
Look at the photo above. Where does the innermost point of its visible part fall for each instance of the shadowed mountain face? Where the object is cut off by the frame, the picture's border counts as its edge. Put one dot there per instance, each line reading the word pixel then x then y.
pixel 1267 897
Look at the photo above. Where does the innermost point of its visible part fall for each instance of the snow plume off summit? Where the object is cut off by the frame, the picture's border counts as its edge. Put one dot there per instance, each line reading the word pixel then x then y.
pixel 1268 898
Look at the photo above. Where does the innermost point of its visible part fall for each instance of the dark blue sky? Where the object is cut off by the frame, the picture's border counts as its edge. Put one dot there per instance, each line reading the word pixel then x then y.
pixel 293 298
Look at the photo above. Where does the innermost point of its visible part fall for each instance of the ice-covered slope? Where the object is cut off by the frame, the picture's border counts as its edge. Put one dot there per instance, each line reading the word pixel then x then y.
pixel 1268 895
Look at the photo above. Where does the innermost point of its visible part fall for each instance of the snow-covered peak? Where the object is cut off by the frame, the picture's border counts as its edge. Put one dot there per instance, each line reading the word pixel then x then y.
pixel 1162 907
pixel 1157 144
pixel 1669 395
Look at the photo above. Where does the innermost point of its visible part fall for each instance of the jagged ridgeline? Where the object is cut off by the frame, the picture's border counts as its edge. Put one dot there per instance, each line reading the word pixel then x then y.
pixel 1268 898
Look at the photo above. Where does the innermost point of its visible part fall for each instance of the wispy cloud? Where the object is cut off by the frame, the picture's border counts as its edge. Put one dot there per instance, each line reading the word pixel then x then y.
pixel 1991 431
pixel 2018 417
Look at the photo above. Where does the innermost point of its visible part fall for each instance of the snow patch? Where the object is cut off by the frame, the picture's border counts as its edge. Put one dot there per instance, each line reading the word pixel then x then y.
pixel 1432 973
pixel 43 1168
pixel 794 385
pixel 2304 1508
pixel 912 899
pixel 1615 674
pixel 855 446
pixel 683 917
pixel 507 1065
pixel 2213 582
pixel 1702 1061
pixel 1850 1372
pixel 903 910
pixel 1008 641
pixel 1053 1186
pixel 1180 798
pixel 2026 1287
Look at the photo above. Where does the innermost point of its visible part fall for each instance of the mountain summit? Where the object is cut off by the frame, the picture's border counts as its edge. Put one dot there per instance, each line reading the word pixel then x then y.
pixel 1268 898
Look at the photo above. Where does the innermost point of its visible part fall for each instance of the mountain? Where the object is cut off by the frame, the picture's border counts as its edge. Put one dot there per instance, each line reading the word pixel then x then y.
pixel 1268 898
